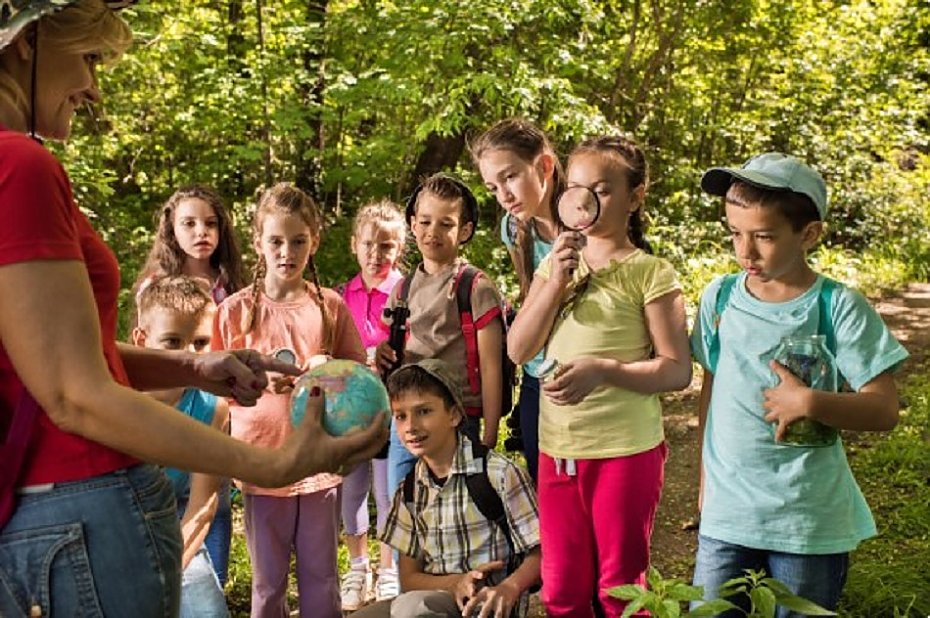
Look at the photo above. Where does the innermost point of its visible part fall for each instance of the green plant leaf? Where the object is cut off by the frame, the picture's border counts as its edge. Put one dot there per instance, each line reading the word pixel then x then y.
pixel 670 609
pixel 680 591
pixel 653 578
pixel 627 592
pixel 632 607
pixel 801 605
pixel 763 601
pixel 731 587
pixel 776 586
pixel 712 608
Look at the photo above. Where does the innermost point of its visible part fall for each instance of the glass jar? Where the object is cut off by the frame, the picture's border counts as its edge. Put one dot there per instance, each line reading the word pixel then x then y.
pixel 808 358
pixel 549 369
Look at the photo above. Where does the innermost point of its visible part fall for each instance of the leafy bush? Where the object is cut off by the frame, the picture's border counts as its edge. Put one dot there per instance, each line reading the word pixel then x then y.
pixel 664 597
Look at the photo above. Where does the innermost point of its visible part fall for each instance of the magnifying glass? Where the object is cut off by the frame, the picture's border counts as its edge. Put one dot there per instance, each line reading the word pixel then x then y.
pixel 578 209
pixel 285 355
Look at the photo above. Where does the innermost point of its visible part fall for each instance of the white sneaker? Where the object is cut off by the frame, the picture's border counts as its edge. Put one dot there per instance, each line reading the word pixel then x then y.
pixel 354 588
pixel 388 585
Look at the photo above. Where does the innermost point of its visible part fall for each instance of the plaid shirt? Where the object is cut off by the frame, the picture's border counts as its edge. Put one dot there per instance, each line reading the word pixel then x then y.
pixel 448 533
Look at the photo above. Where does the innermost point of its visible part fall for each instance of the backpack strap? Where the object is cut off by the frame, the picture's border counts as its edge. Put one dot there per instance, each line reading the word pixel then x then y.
pixel 485 497
pixel 465 282
pixel 825 312
pixel 720 303
pixel 13 452
pixel 409 482
pixel 405 288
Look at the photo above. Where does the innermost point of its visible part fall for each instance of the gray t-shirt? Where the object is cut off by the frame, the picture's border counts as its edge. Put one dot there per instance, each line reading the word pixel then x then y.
pixel 435 329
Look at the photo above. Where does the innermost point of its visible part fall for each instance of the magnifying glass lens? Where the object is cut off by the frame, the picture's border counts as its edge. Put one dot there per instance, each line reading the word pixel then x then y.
pixel 286 356
pixel 578 208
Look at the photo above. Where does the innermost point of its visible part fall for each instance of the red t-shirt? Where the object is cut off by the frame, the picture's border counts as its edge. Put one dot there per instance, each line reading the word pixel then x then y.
pixel 40 221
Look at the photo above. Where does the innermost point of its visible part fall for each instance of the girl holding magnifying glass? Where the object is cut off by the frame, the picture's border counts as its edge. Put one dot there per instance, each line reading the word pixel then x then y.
pixel 612 319
pixel 520 168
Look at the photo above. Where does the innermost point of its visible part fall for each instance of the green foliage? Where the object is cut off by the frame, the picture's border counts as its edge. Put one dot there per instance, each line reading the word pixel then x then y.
pixel 349 97
pixel 664 597
pixel 889 576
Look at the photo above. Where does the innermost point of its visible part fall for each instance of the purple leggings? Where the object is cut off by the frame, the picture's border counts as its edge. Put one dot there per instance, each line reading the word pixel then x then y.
pixel 307 525
pixel 354 495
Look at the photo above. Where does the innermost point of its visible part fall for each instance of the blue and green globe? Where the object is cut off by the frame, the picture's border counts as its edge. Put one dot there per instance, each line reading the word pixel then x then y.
pixel 352 396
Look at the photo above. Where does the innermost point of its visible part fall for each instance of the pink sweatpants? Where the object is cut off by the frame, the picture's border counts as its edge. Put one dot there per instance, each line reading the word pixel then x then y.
pixel 595 528
pixel 308 524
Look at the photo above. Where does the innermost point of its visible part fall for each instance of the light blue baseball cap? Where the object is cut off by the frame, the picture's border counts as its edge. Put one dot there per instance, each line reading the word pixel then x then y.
pixel 772 170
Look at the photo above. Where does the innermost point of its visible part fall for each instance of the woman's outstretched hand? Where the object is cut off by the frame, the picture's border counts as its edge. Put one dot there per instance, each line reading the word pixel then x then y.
pixel 310 450
pixel 240 374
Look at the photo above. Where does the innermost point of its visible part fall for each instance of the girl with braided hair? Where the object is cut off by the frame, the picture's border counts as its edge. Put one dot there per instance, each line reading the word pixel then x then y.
pixel 284 310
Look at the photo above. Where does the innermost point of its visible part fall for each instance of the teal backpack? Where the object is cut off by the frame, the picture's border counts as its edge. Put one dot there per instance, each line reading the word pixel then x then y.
pixel 824 323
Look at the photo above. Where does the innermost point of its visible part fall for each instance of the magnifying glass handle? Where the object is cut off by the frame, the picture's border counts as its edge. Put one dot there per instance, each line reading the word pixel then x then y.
pixel 582 242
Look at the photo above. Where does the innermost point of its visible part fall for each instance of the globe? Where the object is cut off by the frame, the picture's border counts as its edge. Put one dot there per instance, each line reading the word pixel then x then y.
pixel 352 396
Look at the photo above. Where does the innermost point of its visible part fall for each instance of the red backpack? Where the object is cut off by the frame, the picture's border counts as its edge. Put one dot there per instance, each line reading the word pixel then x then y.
pixel 465 281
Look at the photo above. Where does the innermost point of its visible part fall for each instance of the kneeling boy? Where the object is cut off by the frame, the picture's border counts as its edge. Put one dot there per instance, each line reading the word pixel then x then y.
pixel 454 561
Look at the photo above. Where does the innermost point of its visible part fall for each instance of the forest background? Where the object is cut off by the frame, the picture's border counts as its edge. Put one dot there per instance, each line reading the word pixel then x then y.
pixel 353 100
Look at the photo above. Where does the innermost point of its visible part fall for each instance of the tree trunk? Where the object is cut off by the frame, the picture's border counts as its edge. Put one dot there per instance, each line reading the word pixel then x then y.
pixel 310 151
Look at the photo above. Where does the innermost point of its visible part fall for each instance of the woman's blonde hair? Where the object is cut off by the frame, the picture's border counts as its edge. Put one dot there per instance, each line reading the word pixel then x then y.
pixel 88 26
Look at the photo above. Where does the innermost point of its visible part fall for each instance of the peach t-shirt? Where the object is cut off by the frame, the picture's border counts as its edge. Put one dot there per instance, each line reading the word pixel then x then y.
pixel 298 326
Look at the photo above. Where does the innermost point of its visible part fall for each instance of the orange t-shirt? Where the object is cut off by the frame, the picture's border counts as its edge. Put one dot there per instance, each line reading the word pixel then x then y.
pixel 298 326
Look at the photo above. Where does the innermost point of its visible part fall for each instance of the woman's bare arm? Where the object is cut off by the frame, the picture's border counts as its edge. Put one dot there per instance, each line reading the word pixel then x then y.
pixel 57 354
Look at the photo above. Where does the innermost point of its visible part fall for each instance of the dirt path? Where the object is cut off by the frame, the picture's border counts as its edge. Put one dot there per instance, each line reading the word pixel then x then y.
pixel 906 313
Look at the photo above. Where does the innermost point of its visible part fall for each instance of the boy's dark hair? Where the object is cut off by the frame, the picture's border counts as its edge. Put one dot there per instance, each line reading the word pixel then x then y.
pixel 798 209
pixel 413 378
pixel 449 188
pixel 180 294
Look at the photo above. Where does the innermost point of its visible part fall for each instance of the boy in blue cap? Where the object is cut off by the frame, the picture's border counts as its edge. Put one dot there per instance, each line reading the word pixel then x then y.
pixel 770 502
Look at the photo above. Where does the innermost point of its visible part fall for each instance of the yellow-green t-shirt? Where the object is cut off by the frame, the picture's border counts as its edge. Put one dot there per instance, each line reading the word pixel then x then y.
pixel 607 321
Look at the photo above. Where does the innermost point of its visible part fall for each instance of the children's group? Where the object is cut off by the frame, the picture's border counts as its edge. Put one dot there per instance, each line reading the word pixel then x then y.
pixel 789 358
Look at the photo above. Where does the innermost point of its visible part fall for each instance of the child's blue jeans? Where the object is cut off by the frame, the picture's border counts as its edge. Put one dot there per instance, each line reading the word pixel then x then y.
pixel 816 577
pixel 201 594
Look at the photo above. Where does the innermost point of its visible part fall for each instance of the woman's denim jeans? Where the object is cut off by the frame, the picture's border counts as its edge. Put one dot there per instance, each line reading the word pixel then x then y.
pixel 105 546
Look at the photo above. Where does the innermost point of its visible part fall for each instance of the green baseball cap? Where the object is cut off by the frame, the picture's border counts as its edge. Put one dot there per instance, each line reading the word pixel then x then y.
pixel 442 373
pixel 772 170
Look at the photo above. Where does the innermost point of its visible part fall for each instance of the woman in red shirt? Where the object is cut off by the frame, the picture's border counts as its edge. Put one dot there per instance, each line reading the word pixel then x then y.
pixel 95 530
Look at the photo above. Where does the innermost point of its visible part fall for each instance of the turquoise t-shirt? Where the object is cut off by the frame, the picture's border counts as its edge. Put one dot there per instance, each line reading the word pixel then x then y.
pixel 541 249
pixel 770 496
pixel 200 406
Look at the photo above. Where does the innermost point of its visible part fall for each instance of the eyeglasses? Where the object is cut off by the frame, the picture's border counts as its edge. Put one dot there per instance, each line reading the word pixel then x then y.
pixel 575 293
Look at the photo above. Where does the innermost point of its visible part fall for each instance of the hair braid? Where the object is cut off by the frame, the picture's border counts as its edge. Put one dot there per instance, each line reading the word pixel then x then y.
pixel 258 286
pixel 523 256
pixel 328 327
pixel 637 231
